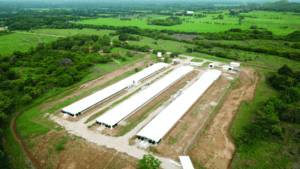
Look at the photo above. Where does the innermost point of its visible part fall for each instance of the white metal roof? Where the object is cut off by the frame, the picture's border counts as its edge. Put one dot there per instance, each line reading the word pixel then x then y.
pixel 163 122
pixel 109 91
pixel 186 162
pixel 135 102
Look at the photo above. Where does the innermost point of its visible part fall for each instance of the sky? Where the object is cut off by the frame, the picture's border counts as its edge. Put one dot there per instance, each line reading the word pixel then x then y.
pixel 245 1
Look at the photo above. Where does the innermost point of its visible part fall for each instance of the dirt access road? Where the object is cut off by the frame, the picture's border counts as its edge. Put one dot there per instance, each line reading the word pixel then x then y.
pixel 214 148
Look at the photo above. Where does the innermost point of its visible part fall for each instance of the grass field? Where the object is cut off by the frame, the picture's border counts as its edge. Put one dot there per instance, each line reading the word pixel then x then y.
pixel 163 44
pixel 278 22
pixel 21 42
pixel 70 32
pixel 258 59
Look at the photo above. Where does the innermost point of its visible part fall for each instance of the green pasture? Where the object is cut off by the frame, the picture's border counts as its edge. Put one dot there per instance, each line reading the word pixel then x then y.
pixel 278 22
pixel 142 23
pixel 167 45
pixel 21 42
pixel 71 32
pixel 260 60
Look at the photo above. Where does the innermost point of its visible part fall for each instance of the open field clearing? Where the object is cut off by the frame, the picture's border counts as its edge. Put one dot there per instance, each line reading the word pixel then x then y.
pixel 163 44
pixel 21 42
pixel 186 26
pixel 76 153
pixel 279 23
pixel 257 59
pixel 69 32
pixel 213 146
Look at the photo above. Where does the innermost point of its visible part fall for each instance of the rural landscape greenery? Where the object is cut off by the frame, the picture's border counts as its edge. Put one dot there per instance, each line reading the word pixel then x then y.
pixel 48 50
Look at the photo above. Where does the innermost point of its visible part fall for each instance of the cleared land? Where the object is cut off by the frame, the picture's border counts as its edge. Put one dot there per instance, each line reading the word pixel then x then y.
pixel 213 146
pixel 175 141
pixel 21 42
pixel 77 153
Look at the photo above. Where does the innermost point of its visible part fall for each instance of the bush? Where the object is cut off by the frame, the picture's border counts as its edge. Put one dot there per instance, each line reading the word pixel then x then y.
pixel 96 48
pixel 106 49
pixel 65 80
pixel 60 145
pixel 149 162
pixel 296 45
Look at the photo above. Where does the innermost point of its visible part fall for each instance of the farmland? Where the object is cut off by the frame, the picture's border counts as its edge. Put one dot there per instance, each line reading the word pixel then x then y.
pixel 53 55
pixel 279 23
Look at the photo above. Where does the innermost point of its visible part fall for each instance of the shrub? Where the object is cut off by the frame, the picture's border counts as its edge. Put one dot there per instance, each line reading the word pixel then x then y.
pixel 296 45
pixel 149 162
pixel 65 80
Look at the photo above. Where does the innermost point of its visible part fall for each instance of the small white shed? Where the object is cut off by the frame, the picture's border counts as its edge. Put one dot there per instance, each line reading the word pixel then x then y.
pixel 177 60
pixel 158 54
pixel 225 67
pixel 235 64
pixel 211 65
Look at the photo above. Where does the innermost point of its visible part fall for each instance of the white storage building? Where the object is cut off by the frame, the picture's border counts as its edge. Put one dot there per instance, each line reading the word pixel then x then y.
pixel 78 107
pixel 159 54
pixel 120 112
pixel 162 123
pixel 235 64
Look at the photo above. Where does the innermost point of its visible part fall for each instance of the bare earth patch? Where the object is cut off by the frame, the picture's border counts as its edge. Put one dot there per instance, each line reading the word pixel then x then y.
pixel 78 154
pixel 176 140
pixel 214 147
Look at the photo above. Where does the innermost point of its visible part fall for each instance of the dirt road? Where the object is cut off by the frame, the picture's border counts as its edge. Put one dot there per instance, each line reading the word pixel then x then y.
pixel 214 148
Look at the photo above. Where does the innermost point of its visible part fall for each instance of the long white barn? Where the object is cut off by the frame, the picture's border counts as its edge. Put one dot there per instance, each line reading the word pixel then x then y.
pixel 78 107
pixel 113 117
pixel 162 123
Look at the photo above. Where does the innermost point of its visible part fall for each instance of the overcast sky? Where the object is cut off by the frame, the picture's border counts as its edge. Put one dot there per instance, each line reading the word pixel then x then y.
pixel 258 1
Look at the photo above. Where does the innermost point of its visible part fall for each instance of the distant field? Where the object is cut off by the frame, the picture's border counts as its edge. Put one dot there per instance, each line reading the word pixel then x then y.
pixel 21 42
pixel 278 22
pixel 163 44
pixel 70 32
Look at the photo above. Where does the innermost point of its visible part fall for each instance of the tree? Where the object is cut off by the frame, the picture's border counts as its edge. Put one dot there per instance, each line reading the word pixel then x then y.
pixel 296 45
pixel 285 70
pixel 116 43
pixel 104 40
pixel 27 98
pixel 106 49
pixel 65 80
pixel 123 37
pixel 96 48
pixel 65 62
pixel 84 49
pixel 75 48
pixel 149 162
